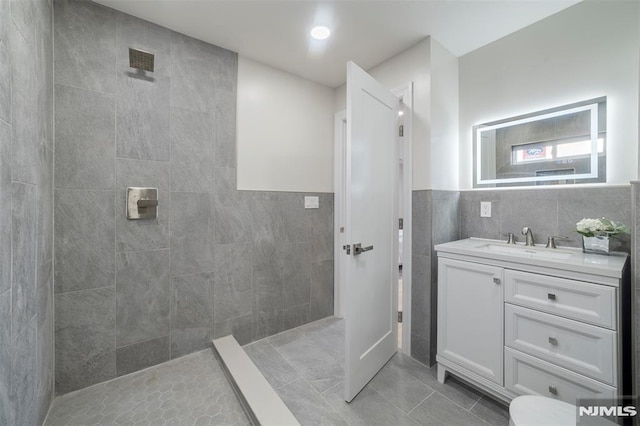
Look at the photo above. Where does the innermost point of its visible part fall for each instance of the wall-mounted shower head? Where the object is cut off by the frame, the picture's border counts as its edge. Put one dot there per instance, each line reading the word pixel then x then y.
pixel 140 59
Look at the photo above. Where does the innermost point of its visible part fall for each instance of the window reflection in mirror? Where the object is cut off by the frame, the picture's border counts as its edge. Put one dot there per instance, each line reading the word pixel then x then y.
pixel 563 145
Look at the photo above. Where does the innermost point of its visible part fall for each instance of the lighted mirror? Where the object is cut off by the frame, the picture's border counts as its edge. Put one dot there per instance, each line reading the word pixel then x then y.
pixel 558 146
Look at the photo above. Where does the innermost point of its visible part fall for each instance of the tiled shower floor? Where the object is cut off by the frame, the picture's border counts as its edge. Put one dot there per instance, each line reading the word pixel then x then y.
pixel 191 390
pixel 304 366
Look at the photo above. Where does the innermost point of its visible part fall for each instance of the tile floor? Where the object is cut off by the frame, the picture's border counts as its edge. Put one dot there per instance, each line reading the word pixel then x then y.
pixel 304 366
pixel 191 390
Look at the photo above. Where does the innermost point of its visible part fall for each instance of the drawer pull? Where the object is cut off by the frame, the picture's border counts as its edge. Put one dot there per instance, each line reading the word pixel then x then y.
pixel 496 280
pixel 553 341
pixel 551 296
pixel 553 390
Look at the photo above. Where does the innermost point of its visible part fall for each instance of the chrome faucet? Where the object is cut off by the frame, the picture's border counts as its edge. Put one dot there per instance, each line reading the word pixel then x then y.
pixel 526 231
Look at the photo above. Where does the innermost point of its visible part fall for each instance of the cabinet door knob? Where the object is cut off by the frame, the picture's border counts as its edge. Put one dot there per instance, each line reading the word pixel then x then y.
pixel 553 341
pixel 551 296
pixel 553 390
pixel 497 280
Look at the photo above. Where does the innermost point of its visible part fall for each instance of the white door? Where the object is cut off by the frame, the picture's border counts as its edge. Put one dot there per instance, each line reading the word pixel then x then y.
pixel 371 222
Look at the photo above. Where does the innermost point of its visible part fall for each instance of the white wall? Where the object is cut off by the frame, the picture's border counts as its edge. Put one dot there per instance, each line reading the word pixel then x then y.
pixel 434 73
pixel 588 50
pixel 284 131
pixel 444 118
pixel 412 65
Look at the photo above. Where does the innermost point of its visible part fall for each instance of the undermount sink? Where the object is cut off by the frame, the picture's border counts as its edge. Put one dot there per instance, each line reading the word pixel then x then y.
pixel 527 251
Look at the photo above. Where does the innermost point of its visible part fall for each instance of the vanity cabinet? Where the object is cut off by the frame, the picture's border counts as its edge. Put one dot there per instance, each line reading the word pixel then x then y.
pixel 471 300
pixel 514 326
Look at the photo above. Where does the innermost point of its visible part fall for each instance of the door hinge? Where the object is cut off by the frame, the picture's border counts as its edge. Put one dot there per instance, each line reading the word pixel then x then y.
pixel 399 316
pixel 401 132
pixel 401 224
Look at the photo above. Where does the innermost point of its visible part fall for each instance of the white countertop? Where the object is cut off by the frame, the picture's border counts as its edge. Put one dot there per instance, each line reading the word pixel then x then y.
pixel 565 258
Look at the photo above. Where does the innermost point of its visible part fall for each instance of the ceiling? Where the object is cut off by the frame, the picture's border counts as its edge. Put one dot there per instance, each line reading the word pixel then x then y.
pixel 276 32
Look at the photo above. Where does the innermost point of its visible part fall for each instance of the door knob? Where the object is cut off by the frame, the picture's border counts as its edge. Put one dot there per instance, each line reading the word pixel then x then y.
pixel 358 249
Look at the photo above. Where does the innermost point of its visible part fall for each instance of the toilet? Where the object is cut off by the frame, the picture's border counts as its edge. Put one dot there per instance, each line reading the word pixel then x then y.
pixel 532 410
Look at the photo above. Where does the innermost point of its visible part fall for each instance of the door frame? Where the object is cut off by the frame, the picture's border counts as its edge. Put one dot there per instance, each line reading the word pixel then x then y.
pixel 404 92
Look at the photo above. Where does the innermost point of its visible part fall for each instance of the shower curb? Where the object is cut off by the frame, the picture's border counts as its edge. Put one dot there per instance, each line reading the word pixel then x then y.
pixel 261 403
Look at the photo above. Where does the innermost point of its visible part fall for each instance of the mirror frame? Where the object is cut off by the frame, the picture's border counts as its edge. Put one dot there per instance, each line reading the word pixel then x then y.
pixel 590 105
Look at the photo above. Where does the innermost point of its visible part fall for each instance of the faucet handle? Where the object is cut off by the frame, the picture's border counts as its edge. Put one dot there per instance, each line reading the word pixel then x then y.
pixel 511 238
pixel 551 241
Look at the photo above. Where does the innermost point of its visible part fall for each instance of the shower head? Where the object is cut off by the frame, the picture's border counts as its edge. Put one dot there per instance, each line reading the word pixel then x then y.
pixel 140 59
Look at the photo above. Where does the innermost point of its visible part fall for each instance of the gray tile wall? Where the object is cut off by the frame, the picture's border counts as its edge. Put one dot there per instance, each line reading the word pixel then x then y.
pixel 435 221
pixel 131 294
pixel 26 211
pixel 547 212
pixel 442 216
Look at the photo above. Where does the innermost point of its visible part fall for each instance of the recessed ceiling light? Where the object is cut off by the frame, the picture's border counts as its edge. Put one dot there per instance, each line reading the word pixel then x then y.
pixel 320 33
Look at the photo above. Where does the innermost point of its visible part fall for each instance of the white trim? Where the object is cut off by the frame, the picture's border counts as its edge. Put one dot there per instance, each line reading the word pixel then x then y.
pixel 405 93
pixel 340 128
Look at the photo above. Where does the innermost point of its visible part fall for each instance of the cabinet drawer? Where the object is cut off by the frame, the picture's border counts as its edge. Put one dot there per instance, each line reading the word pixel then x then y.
pixel 526 375
pixel 592 303
pixel 579 347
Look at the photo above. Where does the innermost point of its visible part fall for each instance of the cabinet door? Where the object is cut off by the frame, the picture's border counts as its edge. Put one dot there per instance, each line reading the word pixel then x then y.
pixel 470 317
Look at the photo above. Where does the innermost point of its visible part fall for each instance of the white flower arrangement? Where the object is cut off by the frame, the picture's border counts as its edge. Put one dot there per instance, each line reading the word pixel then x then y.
pixel 600 227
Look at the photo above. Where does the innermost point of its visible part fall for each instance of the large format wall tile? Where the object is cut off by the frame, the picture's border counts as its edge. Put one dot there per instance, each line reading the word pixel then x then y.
pixel 232 208
pixel 267 303
pixel 193 68
pixel 142 355
pixel 143 296
pixel 22 15
pixel 143 118
pixel 25 143
pixel 85 338
pixel 85 132
pixel 321 300
pixel 44 72
pixel 296 274
pixel 421 217
pixel 232 290
pixel 85 45
pixel 5 20
pixel 136 235
pixel 191 313
pixel 45 338
pixel 24 384
pixel 322 229
pixel 613 204
pixel 23 249
pixel 5 206
pixel 267 232
pixel 225 128
pixel 192 233
pixel 45 206
pixel 192 155
pixel 5 76
pixel 297 219
pixel 84 235
pixel 6 348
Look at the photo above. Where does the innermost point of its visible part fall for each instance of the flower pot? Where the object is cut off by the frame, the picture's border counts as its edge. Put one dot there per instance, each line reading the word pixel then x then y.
pixel 596 244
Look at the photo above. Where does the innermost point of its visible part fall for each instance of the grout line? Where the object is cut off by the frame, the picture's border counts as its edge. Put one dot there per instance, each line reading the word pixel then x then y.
pixel 421 402
pixel 474 404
